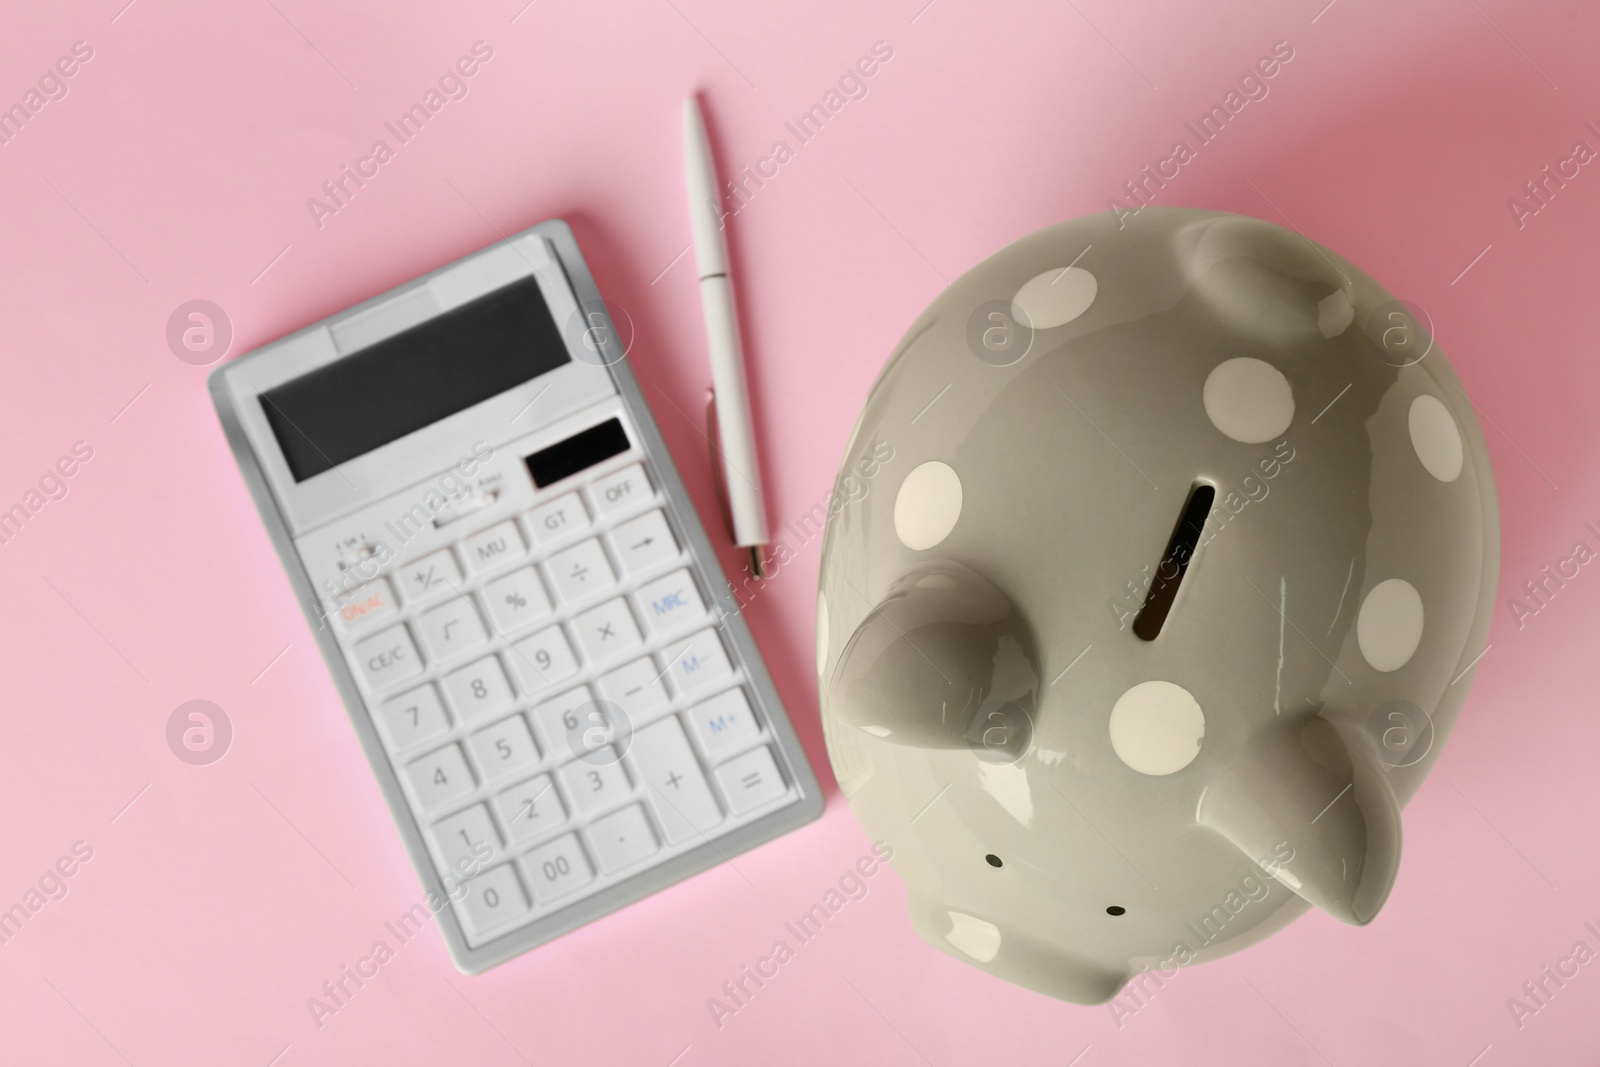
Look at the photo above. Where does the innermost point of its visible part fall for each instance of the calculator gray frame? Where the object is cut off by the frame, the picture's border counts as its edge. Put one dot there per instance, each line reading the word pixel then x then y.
pixel 714 850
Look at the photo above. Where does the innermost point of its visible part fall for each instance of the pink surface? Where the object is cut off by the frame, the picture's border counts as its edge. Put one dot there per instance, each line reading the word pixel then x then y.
pixel 178 166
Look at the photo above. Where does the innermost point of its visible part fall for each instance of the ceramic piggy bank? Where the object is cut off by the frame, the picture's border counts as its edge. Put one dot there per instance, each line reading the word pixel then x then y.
pixel 1167 556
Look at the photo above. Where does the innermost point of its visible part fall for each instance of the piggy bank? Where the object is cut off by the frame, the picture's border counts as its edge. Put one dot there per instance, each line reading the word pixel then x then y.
pixel 1167 551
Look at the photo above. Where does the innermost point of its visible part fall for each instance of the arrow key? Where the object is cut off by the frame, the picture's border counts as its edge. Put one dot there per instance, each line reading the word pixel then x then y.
pixel 644 542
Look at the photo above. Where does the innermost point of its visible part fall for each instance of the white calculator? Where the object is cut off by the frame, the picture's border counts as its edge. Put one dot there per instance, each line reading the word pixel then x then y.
pixel 515 598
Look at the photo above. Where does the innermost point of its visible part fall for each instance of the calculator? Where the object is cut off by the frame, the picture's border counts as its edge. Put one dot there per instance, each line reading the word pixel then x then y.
pixel 516 600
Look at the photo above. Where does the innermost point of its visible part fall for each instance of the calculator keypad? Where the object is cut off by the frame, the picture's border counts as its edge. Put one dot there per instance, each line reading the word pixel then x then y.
pixel 441 777
pixel 751 781
pixel 430 577
pixel 453 629
pixel 531 809
pixel 517 600
pixel 671 603
pixel 559 519
pixel 697 662
pixel 505 748
pixel 607 631
pixel 493 547
pixel 494 898
pixel 724 723
pixel 477 690
pixel 467 839
pixel 673 777
pixel 644 543
pixel 622 839
pixel 388 658
pixel 558 699
pixel 593 786
pixel 369 604
pixel 620 491
pixel 582 570
pixel 637 688
pixel 544 660
pixel 559 868
pixel 414 717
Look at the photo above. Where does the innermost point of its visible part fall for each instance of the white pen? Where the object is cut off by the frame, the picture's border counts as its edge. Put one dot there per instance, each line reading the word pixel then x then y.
pixel 735 428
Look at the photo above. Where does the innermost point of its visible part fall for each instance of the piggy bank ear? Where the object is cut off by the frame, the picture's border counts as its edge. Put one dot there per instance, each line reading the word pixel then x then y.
pixel 943 661
pixel 1311 804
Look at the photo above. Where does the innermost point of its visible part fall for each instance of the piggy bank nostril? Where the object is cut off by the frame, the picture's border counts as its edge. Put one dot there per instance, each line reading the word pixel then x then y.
pixel 994 861
pixel 1116 909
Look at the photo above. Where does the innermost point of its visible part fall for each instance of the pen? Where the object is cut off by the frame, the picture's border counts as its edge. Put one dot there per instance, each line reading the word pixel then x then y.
pixel 735 428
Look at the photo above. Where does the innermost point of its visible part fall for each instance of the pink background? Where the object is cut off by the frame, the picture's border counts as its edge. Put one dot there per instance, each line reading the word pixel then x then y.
pixel 178 167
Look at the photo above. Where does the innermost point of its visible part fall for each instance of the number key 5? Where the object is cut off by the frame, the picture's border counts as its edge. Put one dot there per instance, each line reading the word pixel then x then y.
pixel 504 748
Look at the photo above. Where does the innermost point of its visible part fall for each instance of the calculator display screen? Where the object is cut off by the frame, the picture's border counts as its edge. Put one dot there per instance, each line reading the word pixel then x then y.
pixel 414 379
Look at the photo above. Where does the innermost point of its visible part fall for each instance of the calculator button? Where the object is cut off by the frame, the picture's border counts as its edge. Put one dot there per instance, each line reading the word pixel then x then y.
pixel 530 809
pixel 623 839
pixel 637 688
pixel 479 689
pixel 751 780
pixel 441 777
pixel 558 868
pixel 498 544
pixel 504 748
pixel 543 660
pixel 674 781
pixel 596 785
pixel 453 629
pixel 672 602
pixel 644 542
pixel 724 723
pixel 622 490
pixel 697 662
pixel 367 605
pixel 517 600
pixel 562 516
pixel 493 898
pixel 430 576
pixel 414 717
pixel 607 630
pixel 563 720
pixel 388 657
pixel 581 570
pixel 468 842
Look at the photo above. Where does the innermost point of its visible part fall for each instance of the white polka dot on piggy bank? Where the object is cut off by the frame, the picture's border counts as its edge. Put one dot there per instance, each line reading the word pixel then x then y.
pixel 1105 650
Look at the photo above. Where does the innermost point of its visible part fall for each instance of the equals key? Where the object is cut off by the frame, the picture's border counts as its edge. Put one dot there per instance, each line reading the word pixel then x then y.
pixel 751 781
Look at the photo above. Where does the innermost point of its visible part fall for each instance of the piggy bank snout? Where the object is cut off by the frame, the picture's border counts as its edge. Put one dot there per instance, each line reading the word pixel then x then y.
pixel 943 661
